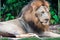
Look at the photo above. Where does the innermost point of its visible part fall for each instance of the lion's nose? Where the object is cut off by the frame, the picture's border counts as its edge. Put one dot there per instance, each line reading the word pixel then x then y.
pixel 46 20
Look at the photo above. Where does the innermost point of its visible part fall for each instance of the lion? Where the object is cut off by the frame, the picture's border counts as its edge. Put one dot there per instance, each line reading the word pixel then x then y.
pixel 34 21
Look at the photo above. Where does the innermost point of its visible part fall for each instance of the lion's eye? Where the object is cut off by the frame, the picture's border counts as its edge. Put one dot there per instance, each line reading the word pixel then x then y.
pixel 42 13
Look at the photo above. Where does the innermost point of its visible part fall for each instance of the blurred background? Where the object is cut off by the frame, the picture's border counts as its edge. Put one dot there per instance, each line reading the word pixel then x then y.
pixel 59 8
pixel 10 9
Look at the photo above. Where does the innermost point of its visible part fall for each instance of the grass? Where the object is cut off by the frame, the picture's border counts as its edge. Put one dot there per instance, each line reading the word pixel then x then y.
pixel 31 38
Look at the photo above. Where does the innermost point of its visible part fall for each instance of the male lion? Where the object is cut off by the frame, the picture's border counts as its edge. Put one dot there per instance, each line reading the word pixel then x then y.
pixel 34 21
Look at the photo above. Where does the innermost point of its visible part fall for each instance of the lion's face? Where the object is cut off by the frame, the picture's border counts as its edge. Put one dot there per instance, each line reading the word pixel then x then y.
pixel 43 15
pixel 38 11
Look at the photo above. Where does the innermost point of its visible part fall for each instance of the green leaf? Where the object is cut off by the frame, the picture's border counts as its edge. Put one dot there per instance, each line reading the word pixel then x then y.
pixel 56 18
pixel 1 12
pixel 10 1
pixel 12 17
pixel 7 18
pixel 11 8
pixel 52 12
pixel 9 14
pixel 52 21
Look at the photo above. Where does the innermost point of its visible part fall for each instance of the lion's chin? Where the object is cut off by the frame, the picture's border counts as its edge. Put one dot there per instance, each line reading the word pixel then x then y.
pixel 45 23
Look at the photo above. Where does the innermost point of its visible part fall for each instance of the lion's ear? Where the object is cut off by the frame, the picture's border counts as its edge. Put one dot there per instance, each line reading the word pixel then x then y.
pixel 33 5
pixel 36 4
pixel 46 4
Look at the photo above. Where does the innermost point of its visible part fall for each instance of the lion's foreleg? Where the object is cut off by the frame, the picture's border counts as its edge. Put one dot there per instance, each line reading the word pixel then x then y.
pixel 51 34
pixel 27 35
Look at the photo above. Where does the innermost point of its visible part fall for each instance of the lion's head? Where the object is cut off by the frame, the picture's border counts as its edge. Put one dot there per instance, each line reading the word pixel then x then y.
pixel 38 13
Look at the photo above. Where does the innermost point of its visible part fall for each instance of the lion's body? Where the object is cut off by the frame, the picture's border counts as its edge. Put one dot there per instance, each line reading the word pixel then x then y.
pixel 34 19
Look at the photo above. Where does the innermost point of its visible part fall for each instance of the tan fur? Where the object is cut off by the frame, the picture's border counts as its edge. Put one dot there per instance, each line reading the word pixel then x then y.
pixel 35 5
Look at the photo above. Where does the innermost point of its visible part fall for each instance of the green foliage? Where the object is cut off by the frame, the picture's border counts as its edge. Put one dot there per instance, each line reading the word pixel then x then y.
pixel 11 8
pixel 54 17
pixel 10 1
pixel 52 12
pixel 52 21
pixel 0 14
pixel 9 17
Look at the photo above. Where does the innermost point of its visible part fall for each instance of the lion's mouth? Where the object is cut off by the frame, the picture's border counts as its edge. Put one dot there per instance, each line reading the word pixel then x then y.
pixel 45 23
pixel 41 22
